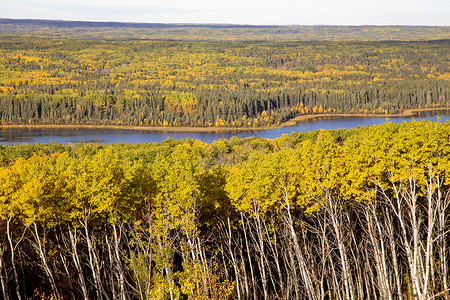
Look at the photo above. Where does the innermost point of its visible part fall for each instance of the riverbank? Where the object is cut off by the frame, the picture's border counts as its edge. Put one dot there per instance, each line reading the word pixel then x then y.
pixel 406 113
pixel 291 122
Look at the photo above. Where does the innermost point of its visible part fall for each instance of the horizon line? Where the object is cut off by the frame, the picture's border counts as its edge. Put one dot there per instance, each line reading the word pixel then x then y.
pixel 217 24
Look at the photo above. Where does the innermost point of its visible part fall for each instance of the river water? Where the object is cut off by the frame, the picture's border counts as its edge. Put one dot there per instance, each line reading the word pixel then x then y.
pixel 109 136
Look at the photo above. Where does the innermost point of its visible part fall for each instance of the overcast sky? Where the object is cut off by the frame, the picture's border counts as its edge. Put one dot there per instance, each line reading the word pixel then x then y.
pixel 256 12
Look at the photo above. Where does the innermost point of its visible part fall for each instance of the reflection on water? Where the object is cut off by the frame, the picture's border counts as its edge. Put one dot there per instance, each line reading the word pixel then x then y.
pixel 107 136
pixel 319 119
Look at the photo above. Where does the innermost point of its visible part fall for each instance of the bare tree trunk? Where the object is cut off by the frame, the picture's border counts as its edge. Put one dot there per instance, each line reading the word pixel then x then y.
pixel 118 261
pixel 94 264
pixel 191 242
pixel 443 223
pixel 164 241
pixel 314 245
pixel 244 270
pixel 329 276
pixel 141 257
pixel 40 248
pixel 62 250
pixel 356 256
pixel 331 207
pixel 76 260
pixel 369 276
pixel 396 204
pixel 304 269
pixel 376 236
pixel 273 244
pixel 417 217
pixel 268 252
pixel 13 260
pixel 389 229
pixel 253 281
pixel 233 259
pixel 200 249
pixel 324 252
pixel 13 251
pixel 111 269
pixel 336 287
pixel 5 291
pixel 259 242
pixel 225 262
pixel 429 255
pixel 292 280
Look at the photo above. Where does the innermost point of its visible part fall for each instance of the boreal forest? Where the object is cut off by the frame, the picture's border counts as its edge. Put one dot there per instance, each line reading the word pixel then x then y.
pixel 353 214
pixel 244 83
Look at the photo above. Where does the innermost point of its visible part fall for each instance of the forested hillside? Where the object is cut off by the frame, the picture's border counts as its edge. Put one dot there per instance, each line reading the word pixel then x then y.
pixel 224 84
pixel 347 214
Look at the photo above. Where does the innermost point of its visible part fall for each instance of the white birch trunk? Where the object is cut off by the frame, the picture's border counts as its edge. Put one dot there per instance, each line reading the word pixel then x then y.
pixel 13 260
pixel 76 261
pixel 40 248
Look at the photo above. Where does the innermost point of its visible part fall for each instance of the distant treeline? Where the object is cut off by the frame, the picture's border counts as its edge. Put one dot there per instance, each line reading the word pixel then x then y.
pixel 217 32
pixel 91 24
pixel 347 214
pixel 234 84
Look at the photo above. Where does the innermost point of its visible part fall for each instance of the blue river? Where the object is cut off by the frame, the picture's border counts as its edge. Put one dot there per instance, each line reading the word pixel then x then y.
pixel 108 136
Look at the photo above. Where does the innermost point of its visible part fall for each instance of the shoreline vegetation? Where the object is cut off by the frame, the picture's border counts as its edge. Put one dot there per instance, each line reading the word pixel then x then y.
pixel 302 118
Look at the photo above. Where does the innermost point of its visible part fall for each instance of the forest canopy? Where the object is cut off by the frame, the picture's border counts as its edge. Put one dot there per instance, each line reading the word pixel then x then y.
pixel 214 83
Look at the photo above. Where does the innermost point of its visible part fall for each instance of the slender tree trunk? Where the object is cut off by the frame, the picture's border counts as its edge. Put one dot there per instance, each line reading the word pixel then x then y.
pixel 143 237
pixel 244 270
pixel 259 242
pixel 292 275
pixel 417 237
pixel 443 237
pixel 332 208
pixel 92 255
pixel 324 253
pixel 5 291
pixel 118 259
pixel 371 286
pixel 190 238
pixel 356 256
pixel 200 249
pixel 277 258
pixel 304 269
pixel 40 248
pixel 247 245
pixel 13 260
pixel 429 252
pixel 397 208
pixel 233 259
pixel 389 229
pixel 113 283
pixel 63 247
pixel 73 237
pixel 376 236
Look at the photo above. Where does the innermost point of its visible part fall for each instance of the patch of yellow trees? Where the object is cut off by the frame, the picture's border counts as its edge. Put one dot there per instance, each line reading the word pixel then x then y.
pixel 354 214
